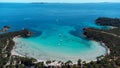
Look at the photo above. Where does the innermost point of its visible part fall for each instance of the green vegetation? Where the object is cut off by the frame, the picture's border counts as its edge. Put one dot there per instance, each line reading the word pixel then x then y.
pixel 111 38
pixel 108 21
pixel 112 41
pixel 7 44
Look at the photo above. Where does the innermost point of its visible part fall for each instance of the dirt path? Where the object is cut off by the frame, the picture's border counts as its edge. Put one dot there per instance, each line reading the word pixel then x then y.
pixel 6 45
pixel 111 34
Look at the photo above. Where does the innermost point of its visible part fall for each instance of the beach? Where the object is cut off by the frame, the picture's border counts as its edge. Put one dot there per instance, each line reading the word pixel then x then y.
pixel 57 60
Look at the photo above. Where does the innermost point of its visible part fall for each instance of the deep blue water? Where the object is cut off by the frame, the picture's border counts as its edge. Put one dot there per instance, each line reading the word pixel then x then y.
pixel 33 15
pixel 61 26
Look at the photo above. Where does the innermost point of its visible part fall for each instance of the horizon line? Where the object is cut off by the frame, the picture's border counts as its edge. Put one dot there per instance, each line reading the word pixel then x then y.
pixel 59 2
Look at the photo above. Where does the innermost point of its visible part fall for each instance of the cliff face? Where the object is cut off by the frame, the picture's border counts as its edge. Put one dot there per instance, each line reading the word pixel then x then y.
pixel 108 21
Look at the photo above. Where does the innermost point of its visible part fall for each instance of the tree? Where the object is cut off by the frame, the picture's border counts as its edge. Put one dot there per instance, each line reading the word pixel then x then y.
pixel 79 62
pixel 39 65
pixel 69 62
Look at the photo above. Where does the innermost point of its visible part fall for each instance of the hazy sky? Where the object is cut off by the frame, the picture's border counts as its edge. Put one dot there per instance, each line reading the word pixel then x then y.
pixel 62 1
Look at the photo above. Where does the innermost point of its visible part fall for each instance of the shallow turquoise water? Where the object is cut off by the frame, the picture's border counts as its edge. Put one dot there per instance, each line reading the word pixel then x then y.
pixel 59 45
pixel 61 26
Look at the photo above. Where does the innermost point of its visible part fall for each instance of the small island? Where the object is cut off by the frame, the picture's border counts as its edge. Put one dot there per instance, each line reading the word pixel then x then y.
pixel 4 28
pixel 111 39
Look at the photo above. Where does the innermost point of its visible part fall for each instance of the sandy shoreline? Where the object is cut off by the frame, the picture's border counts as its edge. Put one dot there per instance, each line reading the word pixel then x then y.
pixel 55 63
pixel 13 52
pixel 107 49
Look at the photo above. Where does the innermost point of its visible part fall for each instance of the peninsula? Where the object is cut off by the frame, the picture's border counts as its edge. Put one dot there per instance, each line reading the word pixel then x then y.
pixel 111 39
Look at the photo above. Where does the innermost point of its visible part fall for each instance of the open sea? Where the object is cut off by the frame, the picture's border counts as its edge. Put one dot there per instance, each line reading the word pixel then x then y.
pixel 57 28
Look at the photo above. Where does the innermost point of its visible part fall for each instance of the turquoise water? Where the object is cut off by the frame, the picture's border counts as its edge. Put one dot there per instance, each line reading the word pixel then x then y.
pixel 61 26
pixel 59 45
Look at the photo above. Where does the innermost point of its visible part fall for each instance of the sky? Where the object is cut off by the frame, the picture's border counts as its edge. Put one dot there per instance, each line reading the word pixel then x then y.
pixel 60 1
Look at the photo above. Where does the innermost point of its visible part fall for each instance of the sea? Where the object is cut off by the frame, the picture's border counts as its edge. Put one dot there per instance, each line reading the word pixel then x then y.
pixel 57 28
